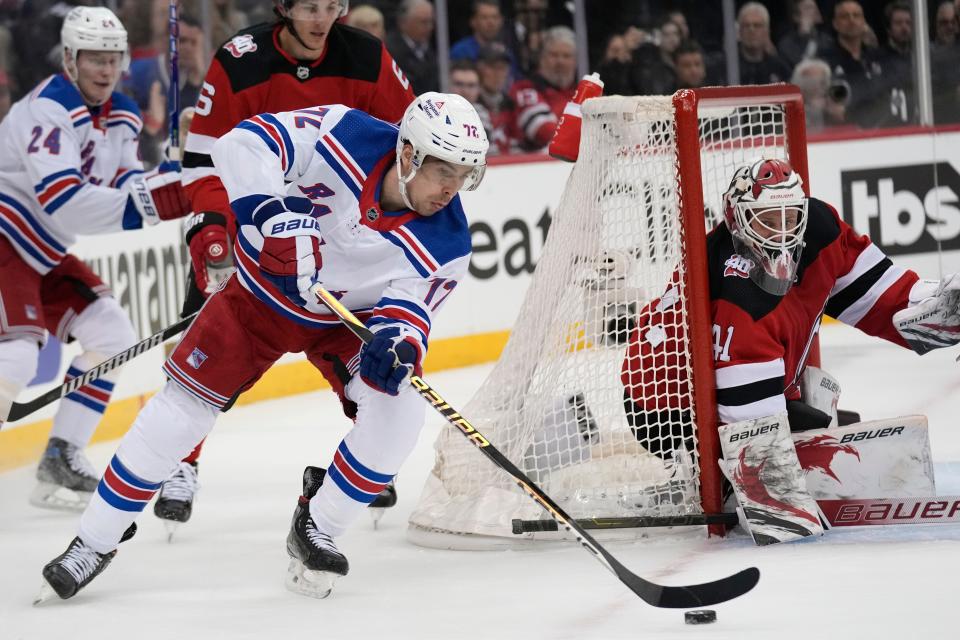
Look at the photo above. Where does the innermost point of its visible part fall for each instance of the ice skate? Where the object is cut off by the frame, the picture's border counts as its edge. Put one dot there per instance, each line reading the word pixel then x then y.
pixel 315 561
pixel 384 500
pixel 174 503
pixel 65 478
pixel 73 569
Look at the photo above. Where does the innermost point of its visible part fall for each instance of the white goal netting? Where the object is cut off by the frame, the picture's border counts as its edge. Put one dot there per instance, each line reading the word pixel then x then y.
pixel 554 402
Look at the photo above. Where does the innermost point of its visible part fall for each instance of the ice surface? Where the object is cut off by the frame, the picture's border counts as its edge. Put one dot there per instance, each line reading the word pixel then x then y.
pixel 222 577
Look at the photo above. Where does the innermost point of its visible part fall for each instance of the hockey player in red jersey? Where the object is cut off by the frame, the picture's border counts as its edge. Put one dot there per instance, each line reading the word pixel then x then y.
pixel 332 195
pixel 69 167
pixel 778 263
pixel 303 59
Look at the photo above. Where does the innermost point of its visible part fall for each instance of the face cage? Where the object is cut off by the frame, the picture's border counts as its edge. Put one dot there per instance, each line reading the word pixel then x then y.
pixel 775 261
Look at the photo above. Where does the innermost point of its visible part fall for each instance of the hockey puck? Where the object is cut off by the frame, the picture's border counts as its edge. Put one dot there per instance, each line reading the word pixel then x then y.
pixel 700 616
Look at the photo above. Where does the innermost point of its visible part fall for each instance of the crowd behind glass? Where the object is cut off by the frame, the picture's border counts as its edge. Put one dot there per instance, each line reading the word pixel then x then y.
pixel 517 60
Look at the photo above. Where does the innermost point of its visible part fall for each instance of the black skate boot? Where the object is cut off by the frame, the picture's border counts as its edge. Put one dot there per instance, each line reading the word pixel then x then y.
pixel 174 503
pixel 315 561
pixel 73 569
pixel 384 500
pixel 66 479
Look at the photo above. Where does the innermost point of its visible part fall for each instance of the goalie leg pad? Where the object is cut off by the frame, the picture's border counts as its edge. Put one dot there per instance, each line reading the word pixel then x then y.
pixel 761 463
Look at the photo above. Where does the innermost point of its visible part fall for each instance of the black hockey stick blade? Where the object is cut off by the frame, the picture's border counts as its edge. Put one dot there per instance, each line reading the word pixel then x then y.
pixel 22 409
pixel 679 597
pixel 690 596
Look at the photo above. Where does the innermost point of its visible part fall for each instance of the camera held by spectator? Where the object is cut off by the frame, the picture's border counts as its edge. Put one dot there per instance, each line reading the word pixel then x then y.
pixel 825 98
pixel 839 91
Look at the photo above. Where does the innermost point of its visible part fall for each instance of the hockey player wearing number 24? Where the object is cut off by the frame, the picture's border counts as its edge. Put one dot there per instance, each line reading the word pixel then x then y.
pixel 332 195
pixel 776 264
pixel 69 166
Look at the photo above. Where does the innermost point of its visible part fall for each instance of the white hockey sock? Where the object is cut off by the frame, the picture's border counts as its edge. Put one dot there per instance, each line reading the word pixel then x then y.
pixel 80 411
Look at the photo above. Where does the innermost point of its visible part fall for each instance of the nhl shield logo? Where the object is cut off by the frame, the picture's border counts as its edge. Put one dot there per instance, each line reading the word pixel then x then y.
pixel 737 265
pixel 372 214
pixel 196 358
pixel 303 72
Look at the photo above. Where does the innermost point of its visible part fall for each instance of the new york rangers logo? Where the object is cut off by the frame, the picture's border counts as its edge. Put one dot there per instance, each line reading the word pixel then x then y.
pixel 196 358
pixel 241 45
pixel 737 265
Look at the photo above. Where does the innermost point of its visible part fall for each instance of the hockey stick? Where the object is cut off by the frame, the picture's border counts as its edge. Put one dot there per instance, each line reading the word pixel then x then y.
pixel 635 522
pixel 20 410
pixel 173 92
pixel 682 597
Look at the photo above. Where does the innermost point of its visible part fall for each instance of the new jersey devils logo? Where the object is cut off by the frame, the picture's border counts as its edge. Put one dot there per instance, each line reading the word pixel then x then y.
pixel 737 265
pixel 241 45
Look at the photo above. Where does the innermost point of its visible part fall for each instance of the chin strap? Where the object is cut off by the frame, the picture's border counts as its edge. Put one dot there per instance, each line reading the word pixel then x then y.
pixel 403 185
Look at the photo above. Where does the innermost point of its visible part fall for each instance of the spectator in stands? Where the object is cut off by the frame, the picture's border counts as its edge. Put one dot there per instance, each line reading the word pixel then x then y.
pixel 411 45
pixel 149 80
pixel 504 134
pixel 858 65
pixel 759 62
pixel 553 84
pixel 678 18
pixel 486 24
pixel 36 41
pixel 616 68
pixel 945 65
pixel 896 60
pixel 653 71
pixel 690 65
pixel 5 97
pixel 465 81
pixel 529 25
pixel 945 24
pixel 824 103
pixel 367 18
pixel 806 38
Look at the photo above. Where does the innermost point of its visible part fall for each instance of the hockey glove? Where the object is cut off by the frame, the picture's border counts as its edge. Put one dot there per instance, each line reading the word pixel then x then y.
pixel 206 236
pixel 388 360
pixel 157 196
pixel 290 257
pixel 932 320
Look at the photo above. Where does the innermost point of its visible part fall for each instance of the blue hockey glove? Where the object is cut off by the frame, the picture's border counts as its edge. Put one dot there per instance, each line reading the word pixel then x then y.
pixel 388 360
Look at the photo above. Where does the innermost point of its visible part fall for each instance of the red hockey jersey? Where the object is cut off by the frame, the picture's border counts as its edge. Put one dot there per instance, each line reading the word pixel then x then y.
pixel 761 341
pixel 251 74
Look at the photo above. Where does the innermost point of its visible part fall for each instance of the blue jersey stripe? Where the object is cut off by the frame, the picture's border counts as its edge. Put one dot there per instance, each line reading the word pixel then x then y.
pixel 56 176
pixel 369 474
pixel 115 501
pixel 89 403
pixel 62 199
pixel 124 474
pixel 257 129
pixel 411 257
pixel 36 228
pixel 287 142
pixel 334 163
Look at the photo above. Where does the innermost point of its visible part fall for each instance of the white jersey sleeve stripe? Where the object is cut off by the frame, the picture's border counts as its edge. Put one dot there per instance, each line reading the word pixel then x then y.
pixel 868 259
pixel 740 374
pixel 345 157
pixel 856 311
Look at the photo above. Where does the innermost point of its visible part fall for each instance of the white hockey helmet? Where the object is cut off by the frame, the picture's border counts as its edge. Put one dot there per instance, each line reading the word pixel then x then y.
pixel 447 127
pixel 765 209
pixel 92 29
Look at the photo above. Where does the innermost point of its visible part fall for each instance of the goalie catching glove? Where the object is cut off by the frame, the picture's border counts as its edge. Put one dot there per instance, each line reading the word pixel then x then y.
pixel 155 196
pixel 932 320
pixel 290 257
pixel 206 236
pixel 389 359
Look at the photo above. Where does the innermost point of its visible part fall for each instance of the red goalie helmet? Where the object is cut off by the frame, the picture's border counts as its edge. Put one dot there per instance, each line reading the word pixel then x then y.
pixel 765 209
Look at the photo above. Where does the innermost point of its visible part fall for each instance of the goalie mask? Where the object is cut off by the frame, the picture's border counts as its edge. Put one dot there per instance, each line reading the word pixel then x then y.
pixel 765 209
pixel 446 127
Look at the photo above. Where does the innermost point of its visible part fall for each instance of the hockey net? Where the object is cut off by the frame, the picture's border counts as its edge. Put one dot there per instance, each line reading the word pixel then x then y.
pixel 647 185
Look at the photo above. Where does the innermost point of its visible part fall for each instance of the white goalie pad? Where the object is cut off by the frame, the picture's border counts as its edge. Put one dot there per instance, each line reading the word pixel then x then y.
pixel 761 464
pixel 887 458
pixel 821 391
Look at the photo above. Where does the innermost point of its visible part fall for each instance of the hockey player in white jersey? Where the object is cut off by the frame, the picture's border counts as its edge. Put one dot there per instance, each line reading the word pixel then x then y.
pixel 69 166
pixel 332 195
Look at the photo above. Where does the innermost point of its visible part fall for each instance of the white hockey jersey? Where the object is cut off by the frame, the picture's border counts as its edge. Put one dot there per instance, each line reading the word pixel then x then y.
pixel 389 267
pixel 61 168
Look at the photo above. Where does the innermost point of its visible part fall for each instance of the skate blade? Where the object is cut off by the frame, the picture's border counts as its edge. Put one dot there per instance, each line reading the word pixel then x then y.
pixel 52 496
pixel 376 513
pixel 315 584
pixel 45 595
pixel 171 526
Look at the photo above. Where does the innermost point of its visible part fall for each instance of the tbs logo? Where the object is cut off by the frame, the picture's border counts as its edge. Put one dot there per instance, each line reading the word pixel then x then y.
pixel 907 209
